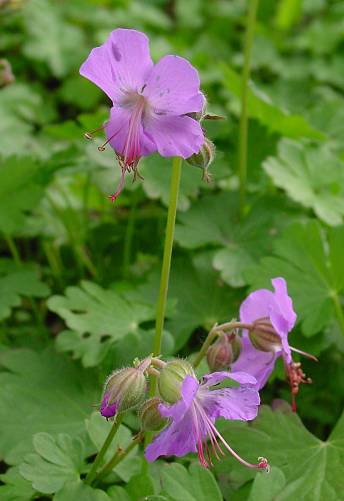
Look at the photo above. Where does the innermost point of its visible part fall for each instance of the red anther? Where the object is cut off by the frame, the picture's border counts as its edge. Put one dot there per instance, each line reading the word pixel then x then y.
pixel 296 376
pixel 263 464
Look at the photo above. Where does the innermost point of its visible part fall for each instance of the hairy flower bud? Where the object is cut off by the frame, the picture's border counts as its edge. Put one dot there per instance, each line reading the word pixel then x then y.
pixel 264 337
pixel 125 389
pixel 204 157
pixel 224 352
pixel 171 379
pixel 150 417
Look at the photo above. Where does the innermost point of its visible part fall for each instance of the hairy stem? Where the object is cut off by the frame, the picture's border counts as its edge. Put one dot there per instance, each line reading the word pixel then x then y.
pixel 243 124
pixel 165 275
pixel 93 471
pixel 166 263
pixel 119 455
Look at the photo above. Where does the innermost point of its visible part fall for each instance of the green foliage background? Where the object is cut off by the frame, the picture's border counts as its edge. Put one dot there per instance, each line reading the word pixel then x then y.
pixel 79 276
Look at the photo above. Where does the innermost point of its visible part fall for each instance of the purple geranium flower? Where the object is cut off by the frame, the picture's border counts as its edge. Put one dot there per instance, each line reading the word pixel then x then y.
pixel 193 417
pixel 273 317
pixel 150 102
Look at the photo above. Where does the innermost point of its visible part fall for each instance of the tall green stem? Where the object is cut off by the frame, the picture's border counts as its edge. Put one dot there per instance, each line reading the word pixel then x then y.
pixel 166 262
pixel 165 274
pixel 93 471
pixel 250 25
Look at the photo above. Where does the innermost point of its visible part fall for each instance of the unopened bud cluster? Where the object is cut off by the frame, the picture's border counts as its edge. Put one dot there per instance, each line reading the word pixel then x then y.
pixel 224 352
pixel 150 417
pixel 127 389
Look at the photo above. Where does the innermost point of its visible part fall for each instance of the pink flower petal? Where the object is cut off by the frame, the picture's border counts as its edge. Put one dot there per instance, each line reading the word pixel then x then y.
pixel 117 128
pixel 173 87
pixel 234 403
pixel 239 377
pixel 257 363
pixel 177 439
pixel 175 136
pixel 120 65
pixel 282 313
pixel 256 305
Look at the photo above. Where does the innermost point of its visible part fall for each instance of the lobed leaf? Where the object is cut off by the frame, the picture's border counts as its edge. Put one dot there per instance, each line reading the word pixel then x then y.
pixel 312 176
pixel 311 467
pixel 213 221
pixel 46 393
pixel 261 108
pixel 100 317
pixel 17 282
pixel 195 484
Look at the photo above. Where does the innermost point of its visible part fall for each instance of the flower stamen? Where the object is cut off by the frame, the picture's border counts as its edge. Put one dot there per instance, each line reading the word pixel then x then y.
pixel 131 151
pixel 296 376
pixel 115 195
pixel 102 146
pixel 304 353
pixel 214 435
pixel 89 135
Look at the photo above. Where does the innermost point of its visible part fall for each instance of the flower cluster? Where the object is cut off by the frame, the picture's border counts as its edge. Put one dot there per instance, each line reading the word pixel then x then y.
pixel 186 409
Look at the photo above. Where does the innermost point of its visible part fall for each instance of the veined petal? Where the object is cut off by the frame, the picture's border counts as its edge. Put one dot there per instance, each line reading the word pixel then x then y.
pixel 239 377
pixel 121 64
pixel 256 305
pixel 259 364
pixel 233 403
pixel 283 316
pixel 175 136
pixel 117 128
pixel 177 439
pixel 173 87
pixel 286 349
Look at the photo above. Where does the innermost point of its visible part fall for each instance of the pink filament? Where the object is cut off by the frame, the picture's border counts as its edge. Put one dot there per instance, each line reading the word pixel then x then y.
pixel 304 353
pixel 130 156
pixel 115 195
pixel 132 150
pixel 213 434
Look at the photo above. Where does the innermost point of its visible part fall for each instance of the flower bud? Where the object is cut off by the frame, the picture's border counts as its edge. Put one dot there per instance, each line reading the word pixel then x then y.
pixel 150 417
pixel 125 389
pixel 204 157
pixel 171 379
pixel 264 337
pixel 224 352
